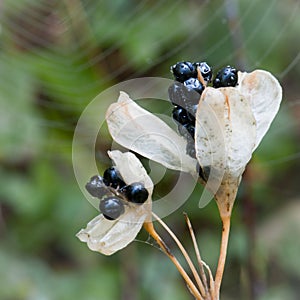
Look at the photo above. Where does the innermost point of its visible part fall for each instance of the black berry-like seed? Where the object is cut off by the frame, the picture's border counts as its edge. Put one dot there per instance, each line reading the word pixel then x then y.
pixel 183 70
pixel 226 77
pixel 136 193
pixel 180 115
pixel 182 96
pixel 191 118
pixel 112 208
pixel 112 177
pixel 193 84
pixel 96 186
pixel 176 94
pixel 205 70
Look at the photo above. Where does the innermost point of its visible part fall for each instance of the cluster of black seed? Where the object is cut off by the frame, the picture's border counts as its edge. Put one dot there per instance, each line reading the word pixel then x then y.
pixel 114 193
pixel 190 81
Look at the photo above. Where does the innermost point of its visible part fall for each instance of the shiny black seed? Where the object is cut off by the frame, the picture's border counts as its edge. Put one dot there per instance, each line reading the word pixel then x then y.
pixel 112 208
pixel 112 177
pixel 176 94
pixel 180 115
pixel 205 70
pixel 96 186
pixel 226 77
pixel 183 70
pixel 136 193
pixel 191 118
pixel 193 84
pixel 183 96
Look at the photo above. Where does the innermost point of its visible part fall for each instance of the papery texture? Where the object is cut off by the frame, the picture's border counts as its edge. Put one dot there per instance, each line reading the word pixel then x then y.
pixel 225 139
pixel 264 94
pixel 108 236
pixel 230 124
pixel 225 130
pixel 139 130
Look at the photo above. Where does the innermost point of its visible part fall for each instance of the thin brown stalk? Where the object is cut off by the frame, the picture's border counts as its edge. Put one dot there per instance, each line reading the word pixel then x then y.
pixel 150 228
pixel 197 251
pixel 211 281
pixel 223 252
pixel 185 254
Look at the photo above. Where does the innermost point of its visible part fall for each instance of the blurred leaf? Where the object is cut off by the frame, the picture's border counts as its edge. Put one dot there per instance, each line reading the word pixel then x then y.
pixel 20 131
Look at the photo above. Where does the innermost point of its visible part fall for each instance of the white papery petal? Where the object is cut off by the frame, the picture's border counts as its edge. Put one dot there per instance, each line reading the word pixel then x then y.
pixel 264 94
pixel 135 128
pixel 210 130
pixel 241 128
pixel 225 139
pixel 108 236
pixel 225 130
pixel 131 169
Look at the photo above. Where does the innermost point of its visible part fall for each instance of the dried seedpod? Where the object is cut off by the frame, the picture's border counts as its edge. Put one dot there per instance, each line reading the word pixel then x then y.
pixel 230 123
pixel 108 235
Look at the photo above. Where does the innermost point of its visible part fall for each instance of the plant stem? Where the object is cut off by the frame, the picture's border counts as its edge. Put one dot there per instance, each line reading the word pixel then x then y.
pixel 222 257
pixel 211 282
pixel 197 251
pixel 150 228
pixel 185 254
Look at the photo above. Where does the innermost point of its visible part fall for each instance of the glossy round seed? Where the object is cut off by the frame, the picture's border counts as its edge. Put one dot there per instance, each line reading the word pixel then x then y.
pixel 205 70
pixel 136 193
pixel 193 84
pixel 96 186
pixel 176 94
pixel 112 208
pixel 183 96
pixel 180 115
pixel 226 77
pixel 183 70
pixel 112 177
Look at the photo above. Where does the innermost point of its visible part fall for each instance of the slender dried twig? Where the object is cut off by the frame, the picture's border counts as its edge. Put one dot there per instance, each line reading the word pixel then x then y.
pixel 197 251
pixel 185 254
pixel 149 227
pixel 211 281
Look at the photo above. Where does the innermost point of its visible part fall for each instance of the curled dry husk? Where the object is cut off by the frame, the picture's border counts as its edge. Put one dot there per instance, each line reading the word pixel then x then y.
pixel 230 123
pixel 107 236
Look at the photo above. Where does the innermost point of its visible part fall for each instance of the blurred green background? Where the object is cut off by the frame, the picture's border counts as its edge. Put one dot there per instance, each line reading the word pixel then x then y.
pixel 55 57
